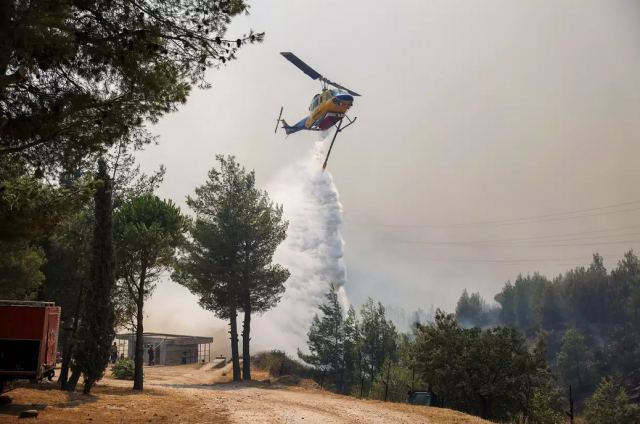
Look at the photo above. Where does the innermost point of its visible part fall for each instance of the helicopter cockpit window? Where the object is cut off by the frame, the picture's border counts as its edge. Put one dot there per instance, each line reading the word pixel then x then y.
pixel 314 102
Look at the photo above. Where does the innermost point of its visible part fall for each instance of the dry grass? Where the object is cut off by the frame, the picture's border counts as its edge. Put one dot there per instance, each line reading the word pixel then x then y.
pixel 437 415
pixel 108 404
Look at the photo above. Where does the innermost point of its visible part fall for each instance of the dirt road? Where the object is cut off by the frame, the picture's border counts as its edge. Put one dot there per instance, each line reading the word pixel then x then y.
pixel 189 394
pixel 243 404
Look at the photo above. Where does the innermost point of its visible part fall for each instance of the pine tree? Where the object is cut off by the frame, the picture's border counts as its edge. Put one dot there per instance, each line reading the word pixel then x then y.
pixel 351 341
pixel 227 262
pixel 610 405
pixel 147 232
pixel 326 340
pixel 97 327
pixel 471 310
pixel 574 360
pixel 378 339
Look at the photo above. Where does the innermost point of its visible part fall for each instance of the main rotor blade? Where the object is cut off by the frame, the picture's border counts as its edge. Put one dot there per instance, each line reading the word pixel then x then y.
pixel 335 84
pixel 301 65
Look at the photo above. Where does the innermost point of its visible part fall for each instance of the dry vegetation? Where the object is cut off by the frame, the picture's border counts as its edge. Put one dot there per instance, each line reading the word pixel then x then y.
pixel 108 404
pixel 195 394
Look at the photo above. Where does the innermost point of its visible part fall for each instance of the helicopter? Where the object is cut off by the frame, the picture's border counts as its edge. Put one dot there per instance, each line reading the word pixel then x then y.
pixel 327 109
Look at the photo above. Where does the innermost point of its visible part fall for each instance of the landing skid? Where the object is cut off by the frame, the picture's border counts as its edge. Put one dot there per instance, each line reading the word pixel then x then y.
pixel 279 119
pixel 339 128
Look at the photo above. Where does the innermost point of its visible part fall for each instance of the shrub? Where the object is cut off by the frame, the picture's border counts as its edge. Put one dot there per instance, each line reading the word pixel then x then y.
pixel 610 405
pixel 278 363
pixel 123 369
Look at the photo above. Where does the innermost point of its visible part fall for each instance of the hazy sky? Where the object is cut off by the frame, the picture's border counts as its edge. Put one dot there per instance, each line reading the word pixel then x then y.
pixel 472 112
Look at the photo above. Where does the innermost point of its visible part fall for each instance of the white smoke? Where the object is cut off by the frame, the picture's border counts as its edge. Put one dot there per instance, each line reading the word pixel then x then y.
pixel 313 252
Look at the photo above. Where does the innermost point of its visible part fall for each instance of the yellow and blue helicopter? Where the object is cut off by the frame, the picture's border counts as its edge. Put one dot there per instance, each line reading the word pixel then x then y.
pixel 328 108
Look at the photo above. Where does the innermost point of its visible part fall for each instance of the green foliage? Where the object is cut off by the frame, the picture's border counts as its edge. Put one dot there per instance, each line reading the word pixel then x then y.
pixel 610 405
pixel 29 212
pixel 518 309
pixel 351 355
pixel 574 362
pixel 123 369
pixel 546 406
pixel 20 274
pixel 326 340
pixel 549 308
pixel 212 264
pixel 472 311
pixel 147 232
pixel 78 76
pixel 489 373
pixel 393 382
pixel 376 343
pixel 346 352
pixel 590 318
pixel 97 326
pixel 67 267
pixel 31 209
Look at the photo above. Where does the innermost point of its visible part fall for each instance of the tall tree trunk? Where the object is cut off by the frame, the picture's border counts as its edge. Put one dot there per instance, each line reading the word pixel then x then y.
pixel 73 380
pixel 570 411
pixel 413 374
pixel 337 362
pixel 386 383
pixel 233 323
pixel 361 372
pixel 246 330
pixel 138 375
pixel 371 377
pixel 68 352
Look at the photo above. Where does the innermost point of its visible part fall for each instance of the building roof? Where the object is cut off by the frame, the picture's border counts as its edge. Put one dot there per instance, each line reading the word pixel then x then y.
pixel 174 338
pixel 25 303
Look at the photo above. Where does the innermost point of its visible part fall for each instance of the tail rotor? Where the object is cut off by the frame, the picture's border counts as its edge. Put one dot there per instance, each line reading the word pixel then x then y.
pixel 279 119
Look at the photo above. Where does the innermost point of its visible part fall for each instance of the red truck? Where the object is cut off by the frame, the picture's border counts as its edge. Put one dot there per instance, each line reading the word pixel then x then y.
pixel 28 340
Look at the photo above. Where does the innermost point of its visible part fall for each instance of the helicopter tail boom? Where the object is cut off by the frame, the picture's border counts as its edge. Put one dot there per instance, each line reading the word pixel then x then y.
pixel 290 129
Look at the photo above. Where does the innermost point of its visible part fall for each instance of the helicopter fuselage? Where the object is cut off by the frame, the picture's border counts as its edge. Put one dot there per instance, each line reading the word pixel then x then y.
pixel 327 108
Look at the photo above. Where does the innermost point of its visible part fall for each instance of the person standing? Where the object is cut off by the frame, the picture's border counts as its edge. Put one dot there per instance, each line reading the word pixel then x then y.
pixel 113 353
pixel 151 355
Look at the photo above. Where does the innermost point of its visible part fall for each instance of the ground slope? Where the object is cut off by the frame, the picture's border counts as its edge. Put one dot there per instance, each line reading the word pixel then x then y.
pixel 188 394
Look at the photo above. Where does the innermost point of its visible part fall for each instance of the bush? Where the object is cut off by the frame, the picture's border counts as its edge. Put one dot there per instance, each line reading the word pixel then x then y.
pixel 278 363
pixel 610 405
pixel 399 381
pixel 546 406
pixel 123 369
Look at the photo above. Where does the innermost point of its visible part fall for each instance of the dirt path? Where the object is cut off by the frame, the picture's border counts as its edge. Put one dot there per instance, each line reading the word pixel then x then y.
pixel 193 394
